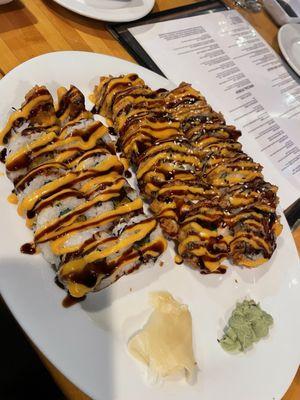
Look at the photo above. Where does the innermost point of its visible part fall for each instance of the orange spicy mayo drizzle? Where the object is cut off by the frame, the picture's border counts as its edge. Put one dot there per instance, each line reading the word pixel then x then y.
pixel 63 157
pixel 192 170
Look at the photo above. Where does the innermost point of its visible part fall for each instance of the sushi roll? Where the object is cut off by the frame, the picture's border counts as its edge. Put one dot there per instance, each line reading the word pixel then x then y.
pixel 207 193
pixel 69 184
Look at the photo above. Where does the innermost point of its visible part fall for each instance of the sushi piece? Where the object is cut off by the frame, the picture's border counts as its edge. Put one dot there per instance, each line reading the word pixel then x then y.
pixel 109 87
pixel 87 221
pixel 34 124
pixel 208 194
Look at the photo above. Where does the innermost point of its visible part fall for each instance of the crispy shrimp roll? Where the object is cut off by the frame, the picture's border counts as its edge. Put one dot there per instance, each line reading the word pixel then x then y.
pixel 207 193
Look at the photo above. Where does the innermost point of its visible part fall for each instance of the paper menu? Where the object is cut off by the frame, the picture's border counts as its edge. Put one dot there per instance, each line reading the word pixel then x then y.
pixel 241 76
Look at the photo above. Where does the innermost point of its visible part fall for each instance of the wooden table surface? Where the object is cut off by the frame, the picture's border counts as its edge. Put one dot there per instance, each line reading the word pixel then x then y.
pixel 29 28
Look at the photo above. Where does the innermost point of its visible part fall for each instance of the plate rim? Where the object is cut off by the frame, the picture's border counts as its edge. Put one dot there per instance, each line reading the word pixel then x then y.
pixel 281 34
pixel 96 16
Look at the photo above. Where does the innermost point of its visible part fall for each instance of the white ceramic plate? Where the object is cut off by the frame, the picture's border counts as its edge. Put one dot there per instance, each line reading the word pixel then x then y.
pixel 109 10
pixel 289 43
pixel 87 342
